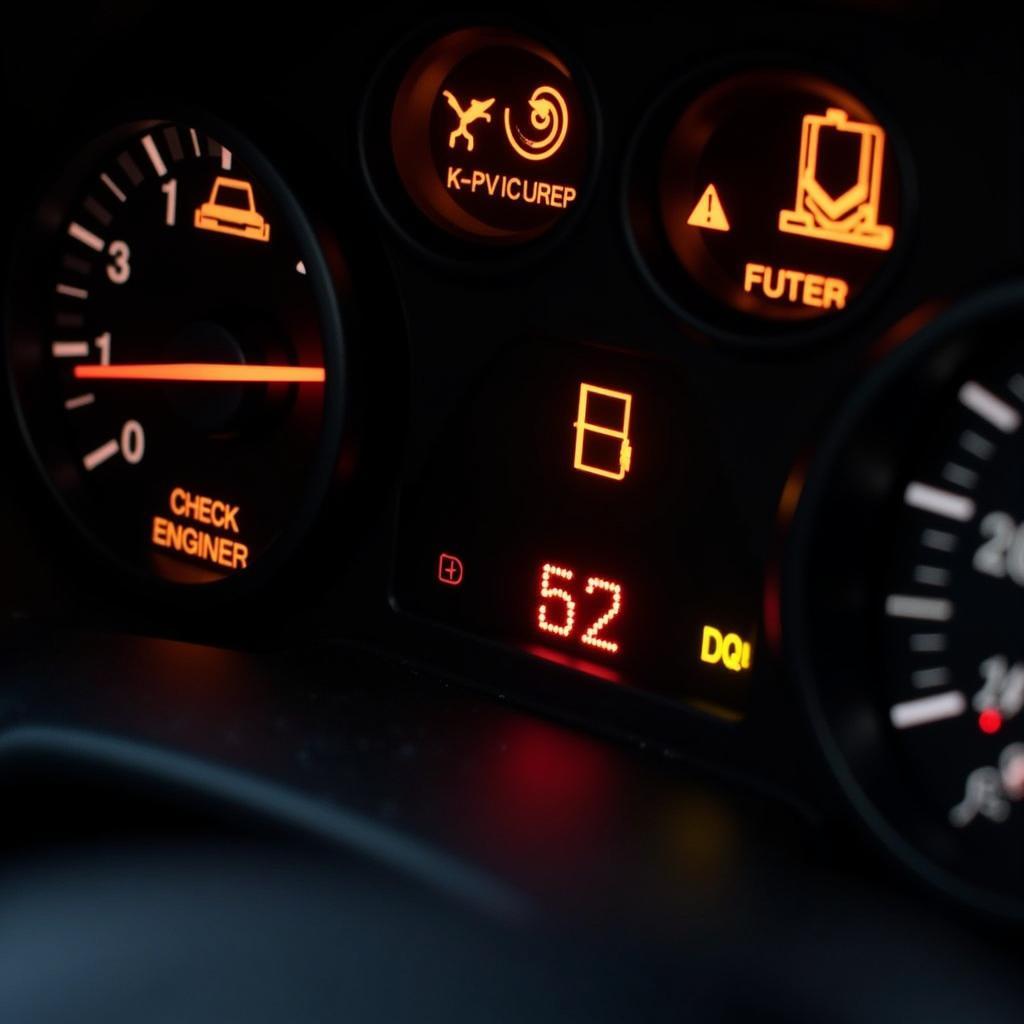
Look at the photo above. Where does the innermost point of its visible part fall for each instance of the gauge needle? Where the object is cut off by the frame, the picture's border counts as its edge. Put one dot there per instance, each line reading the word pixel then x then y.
pixel 233 373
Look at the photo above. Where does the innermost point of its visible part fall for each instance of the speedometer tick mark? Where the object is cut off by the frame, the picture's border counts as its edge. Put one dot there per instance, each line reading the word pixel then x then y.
pixel 960 475
pixel 931 575
pixel 100 455
pixel 109 182
pixel 910 606
pixel 130 167
pixel 70 350
pixel 990 408
pixel 938 501
pixel 173 140
pixel 72 292
pixel 86 237
pixel 926 678
pixel 154 155
pixel 923 643
pixel 80 401
pixel 938 540
pixel 98 211
pixel 925 710
pixel 976 445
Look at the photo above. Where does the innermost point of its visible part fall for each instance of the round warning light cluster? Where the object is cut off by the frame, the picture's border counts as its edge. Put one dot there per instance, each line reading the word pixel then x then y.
pixel 490 136
pixel 773 195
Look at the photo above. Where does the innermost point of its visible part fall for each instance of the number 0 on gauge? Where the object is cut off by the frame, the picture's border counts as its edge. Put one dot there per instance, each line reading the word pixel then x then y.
pixel 176 352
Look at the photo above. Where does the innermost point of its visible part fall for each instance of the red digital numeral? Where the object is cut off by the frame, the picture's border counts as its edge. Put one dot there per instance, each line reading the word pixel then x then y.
pixel 562 623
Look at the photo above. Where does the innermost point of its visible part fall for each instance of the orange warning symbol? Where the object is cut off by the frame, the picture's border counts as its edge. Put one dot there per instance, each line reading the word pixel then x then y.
pixel 709 212
pixel 852 217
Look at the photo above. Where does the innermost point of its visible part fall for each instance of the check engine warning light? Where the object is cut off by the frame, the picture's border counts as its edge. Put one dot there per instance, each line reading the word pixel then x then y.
pixel 450 570
pixel 217 545
pixel 489 136
pixel 602 432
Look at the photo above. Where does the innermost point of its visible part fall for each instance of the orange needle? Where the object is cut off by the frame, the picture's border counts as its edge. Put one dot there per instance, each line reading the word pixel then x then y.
pixel 234 373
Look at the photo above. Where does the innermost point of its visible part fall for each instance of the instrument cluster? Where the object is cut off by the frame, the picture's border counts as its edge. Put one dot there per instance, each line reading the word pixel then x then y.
pixel 670 387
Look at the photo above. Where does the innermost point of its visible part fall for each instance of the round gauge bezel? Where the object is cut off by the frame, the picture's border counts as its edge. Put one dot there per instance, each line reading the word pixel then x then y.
pixel 403 216
pixel 38 419
pixel 870 772
pixel 652 253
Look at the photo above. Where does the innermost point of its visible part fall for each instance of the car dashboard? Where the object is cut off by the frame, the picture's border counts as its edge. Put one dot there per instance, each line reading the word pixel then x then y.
pixel 507 513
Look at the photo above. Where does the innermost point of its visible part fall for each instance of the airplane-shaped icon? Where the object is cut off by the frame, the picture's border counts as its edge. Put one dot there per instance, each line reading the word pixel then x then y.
pixel 476 111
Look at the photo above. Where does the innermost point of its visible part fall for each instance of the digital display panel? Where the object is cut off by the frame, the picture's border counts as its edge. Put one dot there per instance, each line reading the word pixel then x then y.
pixel 575 509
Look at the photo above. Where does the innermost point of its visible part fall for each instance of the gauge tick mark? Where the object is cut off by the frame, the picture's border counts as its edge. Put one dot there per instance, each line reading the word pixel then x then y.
pixel 990 408
pixel 938 501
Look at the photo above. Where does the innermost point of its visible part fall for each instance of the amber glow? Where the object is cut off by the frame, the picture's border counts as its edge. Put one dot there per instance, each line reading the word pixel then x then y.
pixel 563 622
pixel 709 212
pixel 796 286
pixel 229 218
pixel 777 194
pixel 202 544
pixel 489 137
pixel 620 457
pixel 852 217
pixel 549 113
pixel 477 110
pixel 227 373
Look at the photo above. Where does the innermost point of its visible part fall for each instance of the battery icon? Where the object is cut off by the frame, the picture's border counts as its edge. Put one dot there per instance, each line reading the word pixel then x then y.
pixel 851 217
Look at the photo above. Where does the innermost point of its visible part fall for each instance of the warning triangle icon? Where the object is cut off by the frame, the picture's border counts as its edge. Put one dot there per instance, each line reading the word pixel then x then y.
pixel 709 212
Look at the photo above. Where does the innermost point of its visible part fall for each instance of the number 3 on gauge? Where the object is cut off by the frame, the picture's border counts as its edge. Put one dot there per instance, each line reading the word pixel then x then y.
pixel 551 591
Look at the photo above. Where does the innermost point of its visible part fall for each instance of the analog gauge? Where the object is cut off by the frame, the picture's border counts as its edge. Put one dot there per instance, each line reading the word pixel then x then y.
pixel 176 352
pixel 909 590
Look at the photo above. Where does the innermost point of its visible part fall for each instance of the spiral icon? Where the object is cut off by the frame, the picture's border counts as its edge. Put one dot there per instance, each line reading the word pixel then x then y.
pixel 548 114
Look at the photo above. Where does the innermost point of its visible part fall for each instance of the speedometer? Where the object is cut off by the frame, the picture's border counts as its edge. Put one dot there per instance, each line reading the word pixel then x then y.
pixel 176 352
pixel 906 593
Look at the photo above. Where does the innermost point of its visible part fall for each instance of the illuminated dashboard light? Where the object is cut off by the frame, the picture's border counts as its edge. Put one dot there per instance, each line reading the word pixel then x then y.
pixel 709 212
pixel 812 187
pixel 201 544
pixel 210 373
pixel 850 218
pixel 591 635
pixel 490 136
pixel 990 721
pixel 729 650
pixel 612 410
pixel 450 570
pixel 556 593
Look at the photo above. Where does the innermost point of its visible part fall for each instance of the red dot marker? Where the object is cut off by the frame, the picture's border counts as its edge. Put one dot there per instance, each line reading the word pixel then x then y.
pixel 990 721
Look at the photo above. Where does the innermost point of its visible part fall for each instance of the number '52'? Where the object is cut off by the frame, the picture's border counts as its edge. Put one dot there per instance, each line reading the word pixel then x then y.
pixel 563 622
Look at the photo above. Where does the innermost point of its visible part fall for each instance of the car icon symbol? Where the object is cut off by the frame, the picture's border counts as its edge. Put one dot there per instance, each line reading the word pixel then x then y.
pixel 231 210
